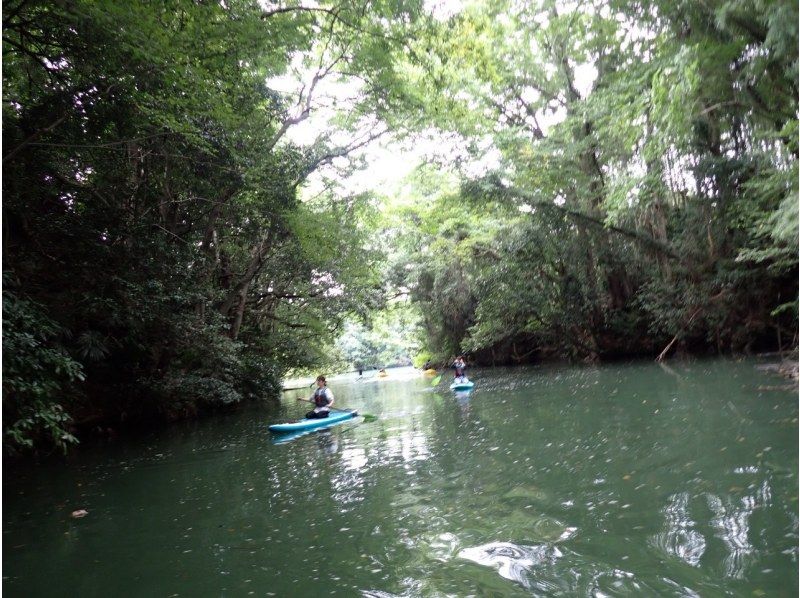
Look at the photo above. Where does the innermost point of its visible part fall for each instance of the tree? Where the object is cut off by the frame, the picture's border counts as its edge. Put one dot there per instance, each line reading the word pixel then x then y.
pixel 648 160
pixel 152 211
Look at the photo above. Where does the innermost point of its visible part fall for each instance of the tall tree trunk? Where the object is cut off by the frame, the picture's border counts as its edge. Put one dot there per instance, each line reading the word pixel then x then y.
pixel 210 247
pixel 238 295
pixel 236 325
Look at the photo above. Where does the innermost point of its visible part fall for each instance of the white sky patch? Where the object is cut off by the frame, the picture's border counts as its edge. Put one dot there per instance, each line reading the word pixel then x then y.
pixel 83 174
pixel 267 5
pixel 490 160
pixel 326 279
pixel 391 161
pixel 441 10
pixel 530 95
pixel 549 118
pixel 330 97
pixel 585 76
pixel 387 164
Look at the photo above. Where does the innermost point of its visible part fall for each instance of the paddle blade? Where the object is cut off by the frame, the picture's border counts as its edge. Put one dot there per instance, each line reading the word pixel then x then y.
pixel 436 380
pixel 368 418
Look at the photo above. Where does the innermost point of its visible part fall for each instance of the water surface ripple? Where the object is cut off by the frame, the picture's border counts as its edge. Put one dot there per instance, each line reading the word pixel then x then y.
pixel 620 480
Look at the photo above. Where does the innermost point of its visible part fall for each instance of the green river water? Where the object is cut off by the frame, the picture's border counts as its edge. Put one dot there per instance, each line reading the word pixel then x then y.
pixel 621 480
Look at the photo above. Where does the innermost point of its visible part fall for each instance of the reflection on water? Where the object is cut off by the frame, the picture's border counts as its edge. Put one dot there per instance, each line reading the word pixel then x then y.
pixel 731 521
pixel 512 561
pixel 625 480
pixel 680 538
pixel 408 445
pixel 463 401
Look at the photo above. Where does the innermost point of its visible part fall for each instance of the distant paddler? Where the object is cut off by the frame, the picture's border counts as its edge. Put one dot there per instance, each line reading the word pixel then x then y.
pixel 461 367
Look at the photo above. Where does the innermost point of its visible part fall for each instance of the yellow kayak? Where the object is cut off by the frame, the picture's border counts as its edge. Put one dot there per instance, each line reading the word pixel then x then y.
pixel 430 372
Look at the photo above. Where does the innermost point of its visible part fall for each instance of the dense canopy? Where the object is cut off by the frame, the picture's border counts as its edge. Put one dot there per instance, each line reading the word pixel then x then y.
pixel 613 178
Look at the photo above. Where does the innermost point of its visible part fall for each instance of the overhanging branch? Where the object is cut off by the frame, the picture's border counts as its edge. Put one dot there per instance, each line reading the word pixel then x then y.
pixel 644 239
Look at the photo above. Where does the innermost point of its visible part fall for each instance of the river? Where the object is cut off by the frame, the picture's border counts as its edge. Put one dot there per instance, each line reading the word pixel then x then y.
pixel 620 480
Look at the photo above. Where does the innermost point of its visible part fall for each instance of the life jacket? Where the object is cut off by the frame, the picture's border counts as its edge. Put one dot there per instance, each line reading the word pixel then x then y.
pixel 321 397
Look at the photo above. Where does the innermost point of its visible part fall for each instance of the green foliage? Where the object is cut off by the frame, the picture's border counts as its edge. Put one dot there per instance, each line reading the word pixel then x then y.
pixel 162 246
pixel 152 200
pixel 421 358
pixel 390 338
pixel 37 372
pixel 647 181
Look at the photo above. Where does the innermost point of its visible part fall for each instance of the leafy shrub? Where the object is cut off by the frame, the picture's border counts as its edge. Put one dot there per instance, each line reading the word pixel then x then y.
pixel 36 370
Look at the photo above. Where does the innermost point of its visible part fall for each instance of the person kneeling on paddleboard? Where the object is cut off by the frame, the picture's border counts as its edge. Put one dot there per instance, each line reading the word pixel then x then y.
pixel 322 399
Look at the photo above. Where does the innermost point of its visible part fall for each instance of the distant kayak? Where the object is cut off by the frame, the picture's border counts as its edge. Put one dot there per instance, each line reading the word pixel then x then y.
pixel 310 424
pixel 462 385
pixel 430 372
pixel 382 374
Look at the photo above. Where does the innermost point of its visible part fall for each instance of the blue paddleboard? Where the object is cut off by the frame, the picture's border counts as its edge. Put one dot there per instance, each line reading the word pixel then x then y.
pixel 462 385
pixel 310 424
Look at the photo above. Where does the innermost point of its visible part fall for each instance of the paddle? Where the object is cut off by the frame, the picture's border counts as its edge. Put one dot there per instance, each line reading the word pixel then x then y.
pixel 437 379
pixel 367 417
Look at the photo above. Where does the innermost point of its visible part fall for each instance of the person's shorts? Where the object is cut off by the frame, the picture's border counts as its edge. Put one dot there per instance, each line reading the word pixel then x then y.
pixel 317 414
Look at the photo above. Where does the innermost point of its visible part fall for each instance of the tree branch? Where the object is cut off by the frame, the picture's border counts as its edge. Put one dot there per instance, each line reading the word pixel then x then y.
pixel 35 136
pixel 642 238
pixel 337 153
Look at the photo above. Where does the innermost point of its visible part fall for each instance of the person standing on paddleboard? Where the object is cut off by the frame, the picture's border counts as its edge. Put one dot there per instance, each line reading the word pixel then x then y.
pixel 460 365
pixel 322 399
